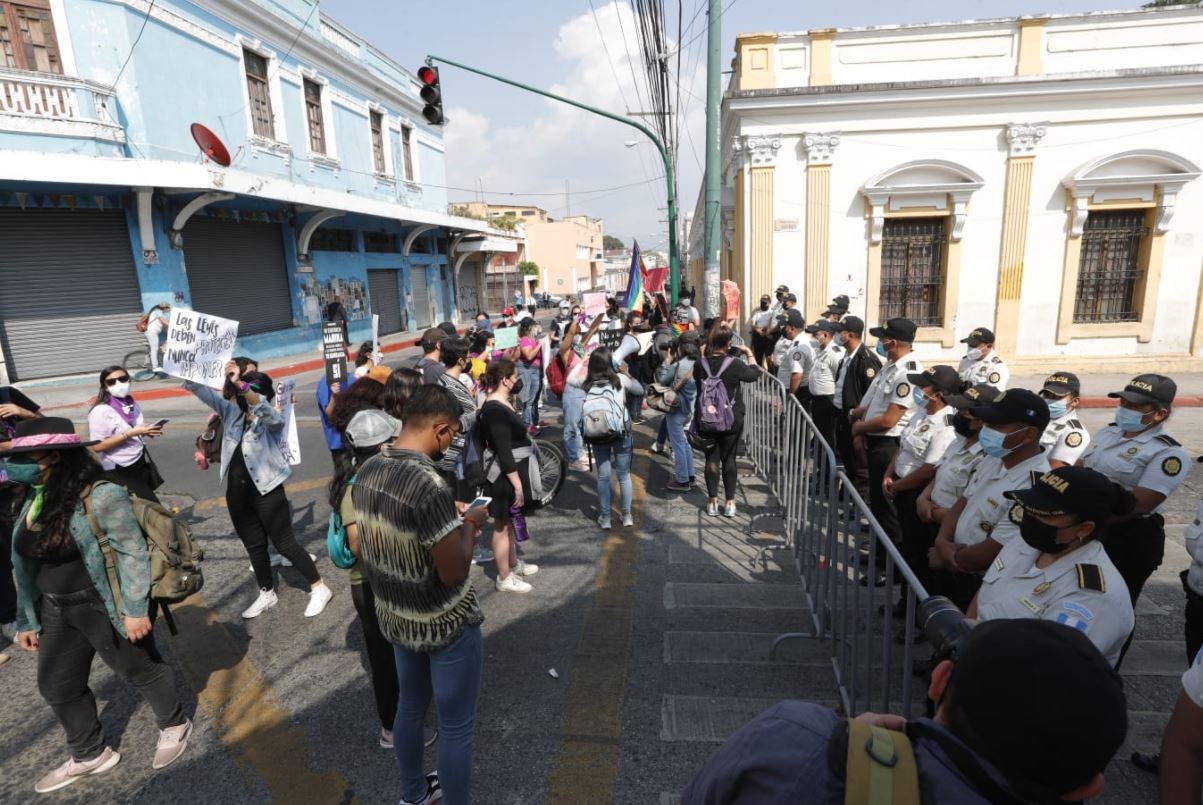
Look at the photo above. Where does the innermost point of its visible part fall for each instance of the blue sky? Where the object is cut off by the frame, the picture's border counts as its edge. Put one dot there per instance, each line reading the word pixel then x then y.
pixel 511 141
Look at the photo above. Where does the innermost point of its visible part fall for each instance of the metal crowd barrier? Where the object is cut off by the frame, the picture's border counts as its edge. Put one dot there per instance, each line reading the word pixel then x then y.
pixel 836 542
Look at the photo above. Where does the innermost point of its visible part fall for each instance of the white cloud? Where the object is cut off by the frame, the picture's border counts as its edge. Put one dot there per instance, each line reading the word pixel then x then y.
pixel 563 142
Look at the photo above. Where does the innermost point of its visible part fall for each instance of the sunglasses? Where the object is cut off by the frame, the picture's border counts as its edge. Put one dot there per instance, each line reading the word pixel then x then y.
pixel 112 381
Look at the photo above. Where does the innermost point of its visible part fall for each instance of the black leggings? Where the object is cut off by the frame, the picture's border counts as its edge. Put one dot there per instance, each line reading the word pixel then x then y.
pixel 720 455
pixel 258 518
pixel 381 659
pixel 137 478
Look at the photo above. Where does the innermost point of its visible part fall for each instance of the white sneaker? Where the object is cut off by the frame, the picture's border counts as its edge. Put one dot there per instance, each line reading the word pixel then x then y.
pixel 8 632
pixel 319 596
pixel 512 584
pixel 386 738
pixel 172 743
pixel 712 508
pixel 603 522
pixel 481 555
pixel 525 568
pixel 581 464
pixel 729 510
pixel 72 770
pixel 659 448
pixel 266 600
pixel 434 792
pixel 627 520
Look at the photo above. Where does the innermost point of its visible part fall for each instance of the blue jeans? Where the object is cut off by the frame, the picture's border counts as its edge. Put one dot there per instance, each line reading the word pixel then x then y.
pixel 682 452
pixel 452 676
pixel 532 382
pixel 621 453
pixel 573 402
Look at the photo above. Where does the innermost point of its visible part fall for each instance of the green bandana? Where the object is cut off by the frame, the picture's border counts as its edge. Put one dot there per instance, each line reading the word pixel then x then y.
pixel 35 508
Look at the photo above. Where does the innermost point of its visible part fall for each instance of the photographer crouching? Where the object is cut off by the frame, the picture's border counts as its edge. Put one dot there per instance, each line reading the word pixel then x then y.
pixel 1027 711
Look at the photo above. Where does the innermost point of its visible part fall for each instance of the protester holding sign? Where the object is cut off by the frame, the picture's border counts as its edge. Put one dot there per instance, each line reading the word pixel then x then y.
pixel 198 347
pixel 255 469
pixel 115 423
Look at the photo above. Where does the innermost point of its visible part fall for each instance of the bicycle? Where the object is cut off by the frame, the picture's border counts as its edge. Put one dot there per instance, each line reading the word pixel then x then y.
pixel 137 363
pixel 553 469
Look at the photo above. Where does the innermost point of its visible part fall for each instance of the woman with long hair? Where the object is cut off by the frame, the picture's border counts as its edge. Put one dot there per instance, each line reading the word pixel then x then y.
pixel 732 366
pixel 676 372
pixel 601 379
pixel 510 475
pixel 116 426
pixel 399 387
pixel 255 469
pixel 530 369
pixel 68 612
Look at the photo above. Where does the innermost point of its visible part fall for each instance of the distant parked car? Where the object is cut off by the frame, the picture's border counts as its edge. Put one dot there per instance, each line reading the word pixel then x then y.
pixel 548 300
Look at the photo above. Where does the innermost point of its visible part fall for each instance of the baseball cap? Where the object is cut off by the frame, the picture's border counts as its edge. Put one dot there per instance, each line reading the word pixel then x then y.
pixel 1014 405
pixel 944 378
pixel 1148 389
pixel 980 335
pixel 900 329
pixel 1067 490
pixel 371 427
pixel 791 318
pixel 764 297
pixel 509 311
pixel 826 326
pixel 840 302
pixel 432 336
pixel 972 397
pixel 1062 383
pixel 782 289
pixel 1027 665
pixel 852 324
pixel 791 297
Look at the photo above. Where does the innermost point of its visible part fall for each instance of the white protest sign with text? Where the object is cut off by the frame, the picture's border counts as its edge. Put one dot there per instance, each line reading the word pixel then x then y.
pixel 198 347
pixel 290 443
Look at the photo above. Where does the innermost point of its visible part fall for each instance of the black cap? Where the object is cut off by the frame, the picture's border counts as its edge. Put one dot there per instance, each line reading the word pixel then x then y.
pixel 812 328
pixel 764 297
pixel 791 297
pixel 1036 666
pixel 827 326
pixel 1068 490
pixel 979 336
pixel 899 329
pixel 782 289
pixel 840 303
pixel 1062 383
pixel 973 396
pixel 791 318
pixel 1148 390
pixel 1014 405
pixel 852 324
pixel 943 378
pixel 431 337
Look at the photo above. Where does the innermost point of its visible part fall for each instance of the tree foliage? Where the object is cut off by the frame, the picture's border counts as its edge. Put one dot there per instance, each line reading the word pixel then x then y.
pixel 529 268
pixel 610 242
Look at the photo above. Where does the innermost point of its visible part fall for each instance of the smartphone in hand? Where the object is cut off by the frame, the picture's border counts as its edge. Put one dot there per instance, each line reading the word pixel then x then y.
pixel 160 423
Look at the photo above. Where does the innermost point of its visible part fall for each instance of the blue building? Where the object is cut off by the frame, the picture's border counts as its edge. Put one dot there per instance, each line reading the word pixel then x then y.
pixel 107 206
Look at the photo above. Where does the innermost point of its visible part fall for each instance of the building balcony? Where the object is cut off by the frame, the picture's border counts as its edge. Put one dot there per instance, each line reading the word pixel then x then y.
pixel 56 105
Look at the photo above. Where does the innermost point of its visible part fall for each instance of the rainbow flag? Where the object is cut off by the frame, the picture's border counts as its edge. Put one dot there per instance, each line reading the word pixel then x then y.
pixel 634 299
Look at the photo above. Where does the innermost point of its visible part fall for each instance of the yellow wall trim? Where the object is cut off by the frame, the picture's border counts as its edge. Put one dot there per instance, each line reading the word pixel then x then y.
pixel 818 228
pixel 1117 364
pixel 735 258
pixel 1017 201
pixel 1031 45
pixel 757 54
pixel 821 48
pixel 762 233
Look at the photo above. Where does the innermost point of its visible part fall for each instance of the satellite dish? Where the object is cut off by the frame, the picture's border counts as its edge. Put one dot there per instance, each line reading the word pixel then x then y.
pixel 210 145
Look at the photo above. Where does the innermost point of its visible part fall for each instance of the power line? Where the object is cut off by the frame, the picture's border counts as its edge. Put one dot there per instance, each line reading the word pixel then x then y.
pixel 137 39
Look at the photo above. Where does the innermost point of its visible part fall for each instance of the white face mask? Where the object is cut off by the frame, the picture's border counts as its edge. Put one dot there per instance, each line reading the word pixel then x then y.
pixel 974 354
pixel 119 389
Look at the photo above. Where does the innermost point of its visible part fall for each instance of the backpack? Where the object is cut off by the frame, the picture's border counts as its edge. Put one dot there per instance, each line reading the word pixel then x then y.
pixel 716 409
pixel 208 444
pixel 557 375
pixel 603 416
pixel 472 461
pixel 336 537
pixel 175 556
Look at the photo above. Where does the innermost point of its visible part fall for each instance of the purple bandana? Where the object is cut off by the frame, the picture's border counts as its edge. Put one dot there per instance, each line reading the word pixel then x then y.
pixel 126 408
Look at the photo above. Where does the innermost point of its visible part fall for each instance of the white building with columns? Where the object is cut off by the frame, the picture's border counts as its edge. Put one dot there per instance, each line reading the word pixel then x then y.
pixel 1038 176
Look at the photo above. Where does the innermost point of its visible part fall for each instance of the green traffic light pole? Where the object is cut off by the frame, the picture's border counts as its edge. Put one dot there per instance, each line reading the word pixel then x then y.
pixel 674 268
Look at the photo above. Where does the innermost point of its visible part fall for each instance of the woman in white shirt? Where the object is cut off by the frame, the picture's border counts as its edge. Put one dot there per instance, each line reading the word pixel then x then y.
pixel 116 423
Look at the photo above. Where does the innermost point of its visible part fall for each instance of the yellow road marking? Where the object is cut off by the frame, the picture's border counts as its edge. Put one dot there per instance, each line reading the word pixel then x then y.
pixel 244 710
pixel 586 763
pixel 299 486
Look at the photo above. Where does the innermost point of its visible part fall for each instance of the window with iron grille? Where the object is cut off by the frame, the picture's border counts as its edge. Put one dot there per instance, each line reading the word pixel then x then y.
pixel 332 240
pixel 259 93
pixel 381 242
pixel 407 152
pixel 912 270
pixel 27 40
pixel 377 123
pixel 1109 270
pixel 313 113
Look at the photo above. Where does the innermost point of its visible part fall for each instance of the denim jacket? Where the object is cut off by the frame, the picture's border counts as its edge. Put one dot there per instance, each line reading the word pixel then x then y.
pixel 260 442
pixel 113 510
pixel 669 374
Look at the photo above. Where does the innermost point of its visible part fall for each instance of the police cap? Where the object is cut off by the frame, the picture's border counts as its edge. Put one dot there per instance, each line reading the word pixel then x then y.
pixel 1014 405
pixel 1148 390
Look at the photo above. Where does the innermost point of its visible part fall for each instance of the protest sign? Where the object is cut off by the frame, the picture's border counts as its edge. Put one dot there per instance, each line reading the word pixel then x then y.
pixel 505 337
pixel 290 443
pixel 594 303
pixel 334 351
pixel 377 355
pixel 609 339
pixel 199 346
pixel 730 300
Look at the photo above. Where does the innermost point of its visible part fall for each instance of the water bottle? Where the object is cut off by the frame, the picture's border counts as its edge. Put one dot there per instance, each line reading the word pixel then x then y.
pixel 521 534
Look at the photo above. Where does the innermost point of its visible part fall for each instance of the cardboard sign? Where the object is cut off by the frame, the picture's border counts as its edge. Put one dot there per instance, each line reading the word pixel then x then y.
pixel 594 304
pixel 334 351
pixel 609 339
pixel 290 443
pixel 505 338
pixel 199 346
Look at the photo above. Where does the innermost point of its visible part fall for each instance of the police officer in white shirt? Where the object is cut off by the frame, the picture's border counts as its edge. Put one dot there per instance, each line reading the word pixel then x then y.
pixel 883 413
pixel 978 527
pixel 1139 454
pixel 1058 570
pixel 1066 438
pixel 759 324
pixel 821 382
pixel 959 461
pixel 1182 744
pixel 796 356
pixel 981 363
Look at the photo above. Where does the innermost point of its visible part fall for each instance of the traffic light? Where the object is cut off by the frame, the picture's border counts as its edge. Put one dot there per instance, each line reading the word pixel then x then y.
pixel 432 95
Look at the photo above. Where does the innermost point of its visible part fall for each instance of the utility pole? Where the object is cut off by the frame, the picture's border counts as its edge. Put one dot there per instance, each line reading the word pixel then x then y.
pixel 674 267
pixel 713 224
pixel 567 201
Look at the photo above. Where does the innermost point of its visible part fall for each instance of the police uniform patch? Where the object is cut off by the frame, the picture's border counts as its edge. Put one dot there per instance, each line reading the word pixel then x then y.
pixel 1073 440
pixel 1041 588
pixel 995 377
pixel 926 426
pixel 986 526
pixel 1090 577
pixel 1030 605
pixel 1171 466
pixel 1131 451
pixel 797 356
pixel 903 390
pixel 870 371
pixel 1016 514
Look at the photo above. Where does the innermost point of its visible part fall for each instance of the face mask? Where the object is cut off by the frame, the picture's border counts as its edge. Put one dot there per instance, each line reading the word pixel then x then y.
pixel 881 349
pixel 23 470
pixel 780 296
pixel 1057 408
pixel 516 389
pixel 764 305
pixel 961 424
pixel 843 339
pixel 684 302
pixel 992 441
pixel 119 389
pixel 815 345
pixel 919 397
pixel 1129 421
pixel 1041 536
pixel 974 354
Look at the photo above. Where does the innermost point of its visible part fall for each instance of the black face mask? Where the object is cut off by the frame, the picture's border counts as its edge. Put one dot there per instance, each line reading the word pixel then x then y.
pixel 516 389
pixel 764 305
pixel 1041 536
pixel 960 423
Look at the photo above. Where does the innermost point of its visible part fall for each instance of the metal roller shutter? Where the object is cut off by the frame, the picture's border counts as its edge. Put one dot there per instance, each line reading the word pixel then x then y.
pixel 386 298
pixel 466 290
pixel 69 296
pixel 236 270
pixel 422 319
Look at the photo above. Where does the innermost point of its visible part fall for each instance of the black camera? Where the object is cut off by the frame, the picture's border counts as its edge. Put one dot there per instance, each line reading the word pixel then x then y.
pixel 946 628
